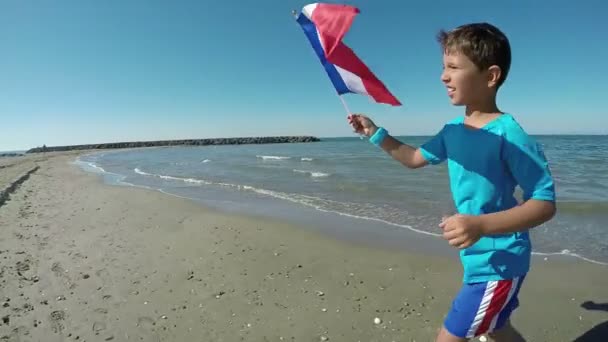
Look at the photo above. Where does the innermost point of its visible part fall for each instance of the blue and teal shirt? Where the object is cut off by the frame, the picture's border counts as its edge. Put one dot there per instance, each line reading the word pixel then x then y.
pixel 485 165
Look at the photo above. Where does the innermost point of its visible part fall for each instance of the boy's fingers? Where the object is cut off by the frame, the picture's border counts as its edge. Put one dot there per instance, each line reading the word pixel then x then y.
pixel 457 241
pixel 352 119
pixel 450 234
pixel 356 121
pixel 463 245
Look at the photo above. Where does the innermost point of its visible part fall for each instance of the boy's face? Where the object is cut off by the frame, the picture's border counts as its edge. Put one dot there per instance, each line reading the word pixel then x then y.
pixel 465 83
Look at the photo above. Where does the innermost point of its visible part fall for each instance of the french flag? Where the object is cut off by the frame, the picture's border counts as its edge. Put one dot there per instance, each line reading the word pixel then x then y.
pixel 325 25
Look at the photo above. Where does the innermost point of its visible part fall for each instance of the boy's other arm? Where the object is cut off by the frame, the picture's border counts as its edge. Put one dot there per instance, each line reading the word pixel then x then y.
pixel 528 165
pixel 464 230
pixel 528 215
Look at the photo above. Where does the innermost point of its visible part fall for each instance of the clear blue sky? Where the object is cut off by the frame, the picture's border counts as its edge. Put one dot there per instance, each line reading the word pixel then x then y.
pixel 76 71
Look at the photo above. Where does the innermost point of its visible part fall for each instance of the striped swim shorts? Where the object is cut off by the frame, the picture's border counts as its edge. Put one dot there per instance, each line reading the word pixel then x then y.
pixel 481 308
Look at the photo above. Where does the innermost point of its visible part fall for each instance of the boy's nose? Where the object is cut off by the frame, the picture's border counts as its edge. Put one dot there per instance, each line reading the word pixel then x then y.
pixel 444 77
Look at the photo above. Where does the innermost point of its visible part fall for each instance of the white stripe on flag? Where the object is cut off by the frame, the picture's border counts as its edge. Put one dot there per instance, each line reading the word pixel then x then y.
pixel 483 308
pixel 321 41
pixel 509 296
pixel 352 81
pixel 308 9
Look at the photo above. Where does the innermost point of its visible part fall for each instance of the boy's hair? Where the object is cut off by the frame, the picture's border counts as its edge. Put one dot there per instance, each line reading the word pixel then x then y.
pixel 484 44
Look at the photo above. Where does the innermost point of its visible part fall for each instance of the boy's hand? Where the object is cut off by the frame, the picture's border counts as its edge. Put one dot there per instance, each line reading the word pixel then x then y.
pixel 362 124
pixel 461 231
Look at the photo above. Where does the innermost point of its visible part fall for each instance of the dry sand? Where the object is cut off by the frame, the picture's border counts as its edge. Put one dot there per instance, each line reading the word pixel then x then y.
pixel 84 261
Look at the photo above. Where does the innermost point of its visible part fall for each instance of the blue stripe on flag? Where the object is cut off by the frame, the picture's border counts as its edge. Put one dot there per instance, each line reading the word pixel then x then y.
pixel 311 32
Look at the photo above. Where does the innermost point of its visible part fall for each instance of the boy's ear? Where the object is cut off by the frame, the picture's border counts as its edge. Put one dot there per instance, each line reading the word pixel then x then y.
pixel 494 74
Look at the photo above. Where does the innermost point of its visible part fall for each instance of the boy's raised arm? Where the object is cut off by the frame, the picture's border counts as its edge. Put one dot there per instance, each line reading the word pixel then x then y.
pixel 407 155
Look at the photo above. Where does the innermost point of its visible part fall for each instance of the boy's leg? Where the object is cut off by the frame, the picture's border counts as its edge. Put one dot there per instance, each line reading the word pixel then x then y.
pixel 506 334
pixel 446 336
pixel 481 308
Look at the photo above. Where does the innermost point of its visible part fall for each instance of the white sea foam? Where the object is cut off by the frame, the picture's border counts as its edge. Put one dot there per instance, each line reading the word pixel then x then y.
pixel 95 168
pixel 273 157
pixel 313 174
pixel 138 171
pixel 306 159
pixel 92 167
pixel 185 180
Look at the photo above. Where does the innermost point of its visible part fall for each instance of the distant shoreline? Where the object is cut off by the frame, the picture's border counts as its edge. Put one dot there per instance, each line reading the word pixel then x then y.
pixel 187 142
pixel 314 139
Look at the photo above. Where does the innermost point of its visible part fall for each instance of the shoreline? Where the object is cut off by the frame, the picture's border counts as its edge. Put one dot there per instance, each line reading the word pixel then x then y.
pixel 99 262
pixel 379 233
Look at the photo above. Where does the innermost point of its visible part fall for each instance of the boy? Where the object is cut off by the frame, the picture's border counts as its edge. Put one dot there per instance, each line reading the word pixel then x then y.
pixel 488 154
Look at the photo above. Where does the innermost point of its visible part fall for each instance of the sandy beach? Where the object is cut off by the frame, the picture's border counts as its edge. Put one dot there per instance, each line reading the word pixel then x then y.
pixel 85 261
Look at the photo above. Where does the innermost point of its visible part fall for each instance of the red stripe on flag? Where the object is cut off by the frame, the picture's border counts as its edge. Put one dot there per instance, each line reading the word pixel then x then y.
pixel 501 293
pixel 333 22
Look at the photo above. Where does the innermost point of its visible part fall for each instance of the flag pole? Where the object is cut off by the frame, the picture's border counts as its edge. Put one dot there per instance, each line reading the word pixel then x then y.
pixel 361 135
pixel 344 104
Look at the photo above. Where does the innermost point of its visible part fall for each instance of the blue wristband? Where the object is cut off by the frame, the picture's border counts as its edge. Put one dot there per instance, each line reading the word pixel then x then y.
pixel 378 137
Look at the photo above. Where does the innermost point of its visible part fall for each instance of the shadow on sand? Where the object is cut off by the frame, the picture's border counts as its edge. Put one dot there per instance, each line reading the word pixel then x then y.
pixel 598 333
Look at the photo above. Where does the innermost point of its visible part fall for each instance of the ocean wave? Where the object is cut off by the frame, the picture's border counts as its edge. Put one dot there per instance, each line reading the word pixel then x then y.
pixel 185 180
pixel 313 174
pixel 96 168
pixel 140 172
pixel 273 157
pixel 306 159
pixel 92 167
pixel 205 161
pixel 317 203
